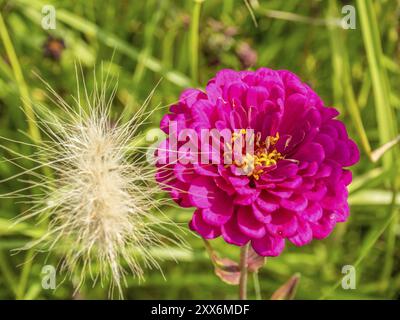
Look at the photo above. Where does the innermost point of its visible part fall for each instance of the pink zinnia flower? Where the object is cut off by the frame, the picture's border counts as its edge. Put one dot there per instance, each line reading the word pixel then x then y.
pixel 296 186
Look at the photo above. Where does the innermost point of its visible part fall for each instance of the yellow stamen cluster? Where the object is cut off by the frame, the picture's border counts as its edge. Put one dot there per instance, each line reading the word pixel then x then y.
pixel 254 165
pixel 236 135
pixel 265 159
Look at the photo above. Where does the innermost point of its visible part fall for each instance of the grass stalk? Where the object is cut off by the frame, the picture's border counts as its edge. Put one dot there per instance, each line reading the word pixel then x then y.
pixel 341 66
pixel 9 277
pixel 385 116
pixel 387 127
pixel 19 78
pixel 194 41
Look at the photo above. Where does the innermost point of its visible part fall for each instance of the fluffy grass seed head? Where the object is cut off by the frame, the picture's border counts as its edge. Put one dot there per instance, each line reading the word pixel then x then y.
pixel 99 198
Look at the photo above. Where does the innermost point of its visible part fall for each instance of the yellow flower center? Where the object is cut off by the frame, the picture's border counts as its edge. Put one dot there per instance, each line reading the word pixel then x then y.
pixel 265 155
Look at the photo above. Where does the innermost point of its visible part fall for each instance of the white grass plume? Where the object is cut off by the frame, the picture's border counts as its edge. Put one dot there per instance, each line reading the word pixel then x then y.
pixel 99 198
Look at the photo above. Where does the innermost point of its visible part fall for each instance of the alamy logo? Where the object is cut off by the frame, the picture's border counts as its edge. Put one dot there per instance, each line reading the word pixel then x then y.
pixel 48 277
pixel 49 17
pixel 349 20
pixel 349 280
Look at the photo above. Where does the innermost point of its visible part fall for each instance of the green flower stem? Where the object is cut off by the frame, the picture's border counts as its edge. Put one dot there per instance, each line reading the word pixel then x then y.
pixel 257 288
pixel 244 251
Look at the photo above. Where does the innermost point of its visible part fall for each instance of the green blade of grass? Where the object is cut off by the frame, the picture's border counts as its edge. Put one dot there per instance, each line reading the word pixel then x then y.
pixel 194 41
pixel 19 78
pixel 149 33
pixel 341 66
pixel 7 272
pixel 387 127
pixel 385 116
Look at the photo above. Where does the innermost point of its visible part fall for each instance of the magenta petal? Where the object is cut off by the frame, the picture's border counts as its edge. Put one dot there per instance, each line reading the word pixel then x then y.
pixel 330 131
pixel 164 123
pixel 201 227
pixel 239 182
pixel 335 195
pixel 256 95
pixel 236 91
pixel 341 213
pixel 295 104
pixel 281 193
pixel 180 197
pixel 184 173
pixel 340 128
pixel 260 214
pixel 220 211
pixel 246 190
pixel 329 113
pixel 284 223
pixel 248 224
pixel 202 192
pixel 324 171
pixel 292 183
pixel 206 169
pixel 296 202
pixel 268 246
pixel 307 184
pixel 354 153
pixel 189 97
pixel 247 199
pixel 224 185
pixel 200 112
pixel 342 152
pixel 310 169
pixel 347 177
pixel 317 192
pixel 304 234
pixel 232 234
pixel 268 202
pixel 311 152
pixel 313 212
pixel 324 227
pixel 326 142
pixel 286 170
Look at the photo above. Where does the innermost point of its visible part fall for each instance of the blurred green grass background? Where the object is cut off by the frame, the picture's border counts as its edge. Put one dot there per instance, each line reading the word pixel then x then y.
pixel 185 43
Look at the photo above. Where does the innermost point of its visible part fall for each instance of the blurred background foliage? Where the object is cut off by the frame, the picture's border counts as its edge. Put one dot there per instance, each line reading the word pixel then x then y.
pixel 185 43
